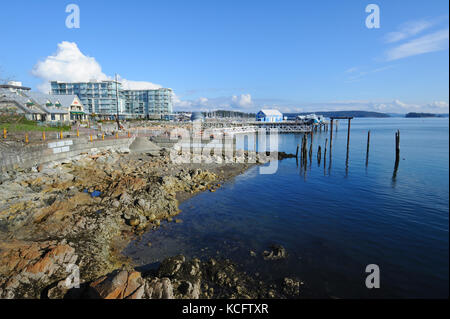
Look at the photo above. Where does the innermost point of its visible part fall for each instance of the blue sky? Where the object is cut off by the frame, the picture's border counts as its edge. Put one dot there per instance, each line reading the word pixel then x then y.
pixel 242 55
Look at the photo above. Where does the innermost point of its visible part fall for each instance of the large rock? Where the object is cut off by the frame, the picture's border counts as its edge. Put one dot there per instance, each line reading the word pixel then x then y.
pixel 118 285
pixel 276 252
pixel 291 287
pixel 35 265
pixel 159 288
pixel 170 266
pixel 189 290
pixel 143 145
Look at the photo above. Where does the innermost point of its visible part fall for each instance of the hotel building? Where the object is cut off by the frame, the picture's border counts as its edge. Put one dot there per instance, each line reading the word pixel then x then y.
pixel 101 98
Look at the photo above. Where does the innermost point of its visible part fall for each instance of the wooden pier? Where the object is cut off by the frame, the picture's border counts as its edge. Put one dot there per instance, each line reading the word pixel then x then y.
pixel 255 126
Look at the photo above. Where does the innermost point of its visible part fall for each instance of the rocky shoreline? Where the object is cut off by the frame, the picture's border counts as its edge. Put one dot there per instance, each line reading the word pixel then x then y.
pixel 81 212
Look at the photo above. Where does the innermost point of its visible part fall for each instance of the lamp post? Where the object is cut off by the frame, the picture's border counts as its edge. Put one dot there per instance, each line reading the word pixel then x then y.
pixel 117 102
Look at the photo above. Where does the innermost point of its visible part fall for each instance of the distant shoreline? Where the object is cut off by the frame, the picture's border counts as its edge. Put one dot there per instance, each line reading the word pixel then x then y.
pixel 422 115
pixel 369 114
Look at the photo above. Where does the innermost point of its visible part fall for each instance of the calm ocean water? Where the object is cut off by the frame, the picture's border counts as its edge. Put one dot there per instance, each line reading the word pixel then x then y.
pixel 333 221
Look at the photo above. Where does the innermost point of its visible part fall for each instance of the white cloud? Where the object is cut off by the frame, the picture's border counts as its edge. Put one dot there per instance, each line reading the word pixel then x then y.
pixel 138 85
pixel 203 101
pixel 351 70
pixel 409 29
pixel 438 107
pixel 234 102
pixel 67 64
pixel 71 65
pixel 429 43
pixel 188 104
pixel 244 100
pixel 395 106
pixel 231 103
pixel 356 76
pixel 180 104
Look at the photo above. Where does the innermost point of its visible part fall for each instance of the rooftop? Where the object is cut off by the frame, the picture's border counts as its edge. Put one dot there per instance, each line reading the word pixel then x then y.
pixel 10 86
pixel 271 112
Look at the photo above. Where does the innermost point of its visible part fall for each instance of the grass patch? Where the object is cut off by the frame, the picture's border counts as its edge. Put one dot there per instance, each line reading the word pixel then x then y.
pixel 21 124
pixel 12 127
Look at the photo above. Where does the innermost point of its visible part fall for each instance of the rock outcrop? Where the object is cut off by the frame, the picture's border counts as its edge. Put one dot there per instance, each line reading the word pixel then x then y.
pixel 276 252
pixel 181 279
pixel 83 211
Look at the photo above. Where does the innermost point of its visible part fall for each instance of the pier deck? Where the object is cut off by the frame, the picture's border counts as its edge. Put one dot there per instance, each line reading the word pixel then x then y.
pixel 254 126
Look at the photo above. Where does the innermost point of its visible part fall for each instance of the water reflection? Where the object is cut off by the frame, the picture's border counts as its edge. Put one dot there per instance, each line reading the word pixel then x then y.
pixel 331 226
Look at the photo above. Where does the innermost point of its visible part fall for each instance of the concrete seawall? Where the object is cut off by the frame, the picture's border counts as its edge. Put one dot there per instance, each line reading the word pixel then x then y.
pixel 28 156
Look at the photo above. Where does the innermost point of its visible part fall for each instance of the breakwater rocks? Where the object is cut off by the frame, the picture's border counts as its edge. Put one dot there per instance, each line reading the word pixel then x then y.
pixel 78 214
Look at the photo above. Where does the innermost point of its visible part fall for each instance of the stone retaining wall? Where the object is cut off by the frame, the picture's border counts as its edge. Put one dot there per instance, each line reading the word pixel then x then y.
pixel 32 155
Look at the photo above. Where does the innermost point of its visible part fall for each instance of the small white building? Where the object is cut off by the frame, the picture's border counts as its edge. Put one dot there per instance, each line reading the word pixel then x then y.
pixel 269 116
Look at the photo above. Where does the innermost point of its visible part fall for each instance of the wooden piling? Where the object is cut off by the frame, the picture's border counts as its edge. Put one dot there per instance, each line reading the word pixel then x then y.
pixel 302 153
pixel 397 145
pixel 368 144
pixel 310 152
pixel 348 145
pixel 397 154
pixel 348 134
pixel 331 134
pixel 296 152
pixel 319 155
pixel 305 151
pixel 301 150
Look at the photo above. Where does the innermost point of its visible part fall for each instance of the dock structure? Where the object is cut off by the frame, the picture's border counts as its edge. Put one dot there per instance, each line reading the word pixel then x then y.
pixel 255 126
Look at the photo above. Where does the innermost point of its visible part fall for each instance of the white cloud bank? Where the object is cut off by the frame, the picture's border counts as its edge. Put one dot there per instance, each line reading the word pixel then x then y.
pixel 71 65
pixel 436 41
pixel 409 29
pixel 232 103
pixel 244 100
pixel 245 103
pixel 241 102
pixel 395 106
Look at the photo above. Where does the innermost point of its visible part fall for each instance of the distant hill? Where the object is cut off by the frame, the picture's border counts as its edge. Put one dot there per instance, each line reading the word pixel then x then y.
pixel 396 114
pixel 414 115
pixel 342 113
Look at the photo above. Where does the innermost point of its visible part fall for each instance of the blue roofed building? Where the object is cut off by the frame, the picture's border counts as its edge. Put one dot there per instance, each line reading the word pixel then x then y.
pixel 269 116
